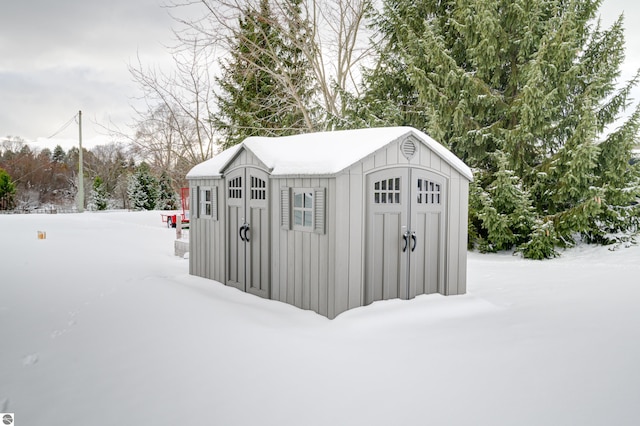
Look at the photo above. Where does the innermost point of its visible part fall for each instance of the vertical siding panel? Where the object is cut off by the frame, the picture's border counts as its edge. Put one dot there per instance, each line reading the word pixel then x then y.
pixel 202 248
pixel 215 226
pixel 462 249
pixel 314 271
pixel 375 247
pixel 222 221
pixel 199 234
pixel 291 268
pixel 283 260
pixel 192 251
pixel 356 235
pixel 435 162
pixel 306 269
pixel 205 241
pixel 290 265
pixel 314 253
pixel 380 158
pixel 446 169
pixel 368 164
pixel 192 217
pixel 298 259
pixel 205 227
pixel 342 249
pixel 281 278
pixel 453 239
pixel 193 242
pixel 298 269
pixel 206 247
pixel 392 154
pixel 212 250
pixel 213 245
pixel 274 207
pixel 328 283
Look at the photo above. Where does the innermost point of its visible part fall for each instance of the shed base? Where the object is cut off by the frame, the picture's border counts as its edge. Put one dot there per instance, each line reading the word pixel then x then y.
pixel 181 247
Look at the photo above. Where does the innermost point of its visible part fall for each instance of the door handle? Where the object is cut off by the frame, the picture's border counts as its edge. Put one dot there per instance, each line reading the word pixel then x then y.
pixel 415 240
pixel 405 237
pixel 240 232
pixel 246 229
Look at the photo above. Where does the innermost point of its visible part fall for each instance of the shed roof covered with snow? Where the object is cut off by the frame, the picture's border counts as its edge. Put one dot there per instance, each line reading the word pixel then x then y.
pixel 323 153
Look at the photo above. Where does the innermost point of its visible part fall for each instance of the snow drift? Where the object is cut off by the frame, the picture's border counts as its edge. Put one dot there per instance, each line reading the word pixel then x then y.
pixel 100 324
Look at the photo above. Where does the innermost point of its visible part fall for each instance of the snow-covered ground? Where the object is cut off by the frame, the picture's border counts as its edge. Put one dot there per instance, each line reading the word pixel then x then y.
pixel 100 324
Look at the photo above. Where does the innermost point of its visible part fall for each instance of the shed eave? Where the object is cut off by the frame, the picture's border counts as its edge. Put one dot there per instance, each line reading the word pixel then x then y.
pixel 200 177
pixel 303 175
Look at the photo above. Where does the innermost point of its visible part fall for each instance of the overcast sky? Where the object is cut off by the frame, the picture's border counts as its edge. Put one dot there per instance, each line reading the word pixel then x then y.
pixel 58 57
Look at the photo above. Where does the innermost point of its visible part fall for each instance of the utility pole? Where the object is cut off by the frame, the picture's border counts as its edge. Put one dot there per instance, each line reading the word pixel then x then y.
pixel 80 169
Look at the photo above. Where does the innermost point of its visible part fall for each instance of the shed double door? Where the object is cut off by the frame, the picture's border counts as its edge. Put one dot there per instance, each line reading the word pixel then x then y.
pixel 248 230
pixel 405 241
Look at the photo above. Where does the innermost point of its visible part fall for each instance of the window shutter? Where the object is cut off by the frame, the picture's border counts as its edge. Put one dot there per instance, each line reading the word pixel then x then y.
pixel 319 211
pixel 195 201
pixel 285 208
pixel 214 203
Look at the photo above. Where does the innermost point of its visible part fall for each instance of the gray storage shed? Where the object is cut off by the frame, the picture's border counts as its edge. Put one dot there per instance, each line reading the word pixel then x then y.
pixel 332 221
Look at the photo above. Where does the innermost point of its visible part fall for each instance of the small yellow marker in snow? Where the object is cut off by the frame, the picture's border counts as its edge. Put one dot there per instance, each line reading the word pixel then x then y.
pixel 42 235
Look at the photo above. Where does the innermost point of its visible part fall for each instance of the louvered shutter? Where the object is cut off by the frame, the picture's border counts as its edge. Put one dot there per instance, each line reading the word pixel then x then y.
pixel 194 202
pixel 214 203
pixel 319 212
pixel 285 208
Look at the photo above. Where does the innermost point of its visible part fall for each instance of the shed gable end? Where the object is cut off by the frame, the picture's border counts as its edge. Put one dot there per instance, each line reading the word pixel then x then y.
pixel 244 158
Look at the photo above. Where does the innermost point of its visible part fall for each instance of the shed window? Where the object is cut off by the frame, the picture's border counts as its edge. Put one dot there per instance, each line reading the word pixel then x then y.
pixel 258 188
pixel 306 212
pixel 387 191
pixel 235 187
pixel 429 192
pixel 205 202
pixel 303 209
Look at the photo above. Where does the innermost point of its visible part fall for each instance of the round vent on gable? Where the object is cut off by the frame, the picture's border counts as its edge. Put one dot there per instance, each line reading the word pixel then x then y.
pixel 408 148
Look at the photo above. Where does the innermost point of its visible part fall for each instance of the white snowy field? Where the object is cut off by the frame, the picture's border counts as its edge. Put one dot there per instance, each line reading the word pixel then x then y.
pixel 100 324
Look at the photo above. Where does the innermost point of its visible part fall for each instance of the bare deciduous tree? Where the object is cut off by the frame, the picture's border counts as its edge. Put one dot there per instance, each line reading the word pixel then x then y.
pixel 172 130
pixel 335 41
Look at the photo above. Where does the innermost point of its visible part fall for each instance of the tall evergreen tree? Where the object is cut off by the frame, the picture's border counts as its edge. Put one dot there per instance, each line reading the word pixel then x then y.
pixel 142 189
pixel 98 195
pixel 167 198
pixel 534 82
pixel 7 191
pixel 265 88
pixel 296 73
pixel 58 154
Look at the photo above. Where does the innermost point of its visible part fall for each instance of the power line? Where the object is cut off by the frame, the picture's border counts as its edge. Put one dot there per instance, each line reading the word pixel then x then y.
pixel 64 126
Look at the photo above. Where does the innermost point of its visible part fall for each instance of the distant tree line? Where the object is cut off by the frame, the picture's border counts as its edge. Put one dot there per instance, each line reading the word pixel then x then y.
pixel 35 178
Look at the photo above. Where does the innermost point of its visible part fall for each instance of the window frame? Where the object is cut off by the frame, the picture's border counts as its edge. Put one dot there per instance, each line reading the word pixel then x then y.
pixel 211 203
pixel 306 211
pixel 204 203
pixel 317 209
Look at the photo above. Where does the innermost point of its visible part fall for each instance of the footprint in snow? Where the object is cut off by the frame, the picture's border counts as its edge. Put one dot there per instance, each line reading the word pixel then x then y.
pixel 58 333
pixel 72 318
pixel 30 359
